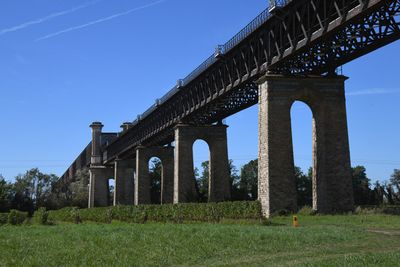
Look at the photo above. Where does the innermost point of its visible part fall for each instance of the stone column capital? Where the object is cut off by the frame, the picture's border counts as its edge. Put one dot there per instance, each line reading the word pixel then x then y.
pixel 126 126
pixel 96 125
pixel 287 77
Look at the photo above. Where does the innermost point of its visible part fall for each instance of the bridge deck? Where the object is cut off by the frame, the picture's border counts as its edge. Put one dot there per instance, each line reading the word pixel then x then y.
pixel 302 37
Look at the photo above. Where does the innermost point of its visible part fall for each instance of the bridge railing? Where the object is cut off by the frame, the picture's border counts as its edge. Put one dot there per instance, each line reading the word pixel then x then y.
pixel 222 49
pixel 246 31
pixel 234 41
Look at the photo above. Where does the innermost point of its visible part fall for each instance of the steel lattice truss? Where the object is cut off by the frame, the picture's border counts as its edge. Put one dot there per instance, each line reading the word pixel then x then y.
pixel 362 34
pixel 302 37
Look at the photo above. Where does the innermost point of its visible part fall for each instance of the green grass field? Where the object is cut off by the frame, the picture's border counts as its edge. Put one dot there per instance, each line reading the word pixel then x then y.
pixel 356 240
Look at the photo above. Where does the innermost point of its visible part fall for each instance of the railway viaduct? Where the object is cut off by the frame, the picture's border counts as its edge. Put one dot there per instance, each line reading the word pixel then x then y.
pixel 290 52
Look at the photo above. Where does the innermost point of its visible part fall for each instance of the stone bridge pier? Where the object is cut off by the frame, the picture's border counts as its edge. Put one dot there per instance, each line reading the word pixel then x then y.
pixel 184 180
pixel 332 184
pixel 124 175
pixel 142 179
pixel 99 174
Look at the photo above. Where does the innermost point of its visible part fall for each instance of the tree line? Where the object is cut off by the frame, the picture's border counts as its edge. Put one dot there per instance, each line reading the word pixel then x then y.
pixel 35 189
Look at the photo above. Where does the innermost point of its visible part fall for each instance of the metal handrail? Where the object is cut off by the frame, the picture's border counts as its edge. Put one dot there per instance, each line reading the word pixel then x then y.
pixel 234 41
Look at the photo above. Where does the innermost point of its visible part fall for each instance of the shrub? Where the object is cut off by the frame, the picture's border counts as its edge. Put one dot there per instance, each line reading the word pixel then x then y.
pixel 306 210
pixel 3 218
pixel 41 216
pixel 368 210
pixel 393 210
pixel 177 213
pixel 385 209
pixel 266 222
pixel 16 217
pixel 75 215
pixel 282 212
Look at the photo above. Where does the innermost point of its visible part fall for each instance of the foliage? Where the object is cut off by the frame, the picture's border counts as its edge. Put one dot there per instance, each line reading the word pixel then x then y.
pixel 234 181
pixel 75 193
pixel 5 195
pixel 395 186
pixel 304 187
pixel 249 180
pixel 361 185
pixel 16 217
pixel 35 189
pixel 79 189
pixel 365 195
pixel 205 212
pixel 75 215
pixel 202 182
pixel 384 209
pixel 395 179
pixel 155 173
pixel 32 190
pixel 3 218
pixel 306 210
pixel 248 184
pixel 41 216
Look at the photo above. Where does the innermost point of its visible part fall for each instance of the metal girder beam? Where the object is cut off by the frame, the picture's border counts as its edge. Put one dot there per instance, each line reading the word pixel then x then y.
pixel 302 37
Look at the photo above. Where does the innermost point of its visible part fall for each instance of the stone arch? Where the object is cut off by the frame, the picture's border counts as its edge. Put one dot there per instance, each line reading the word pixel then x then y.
pixel 142 181
pixel 332 187
pixel 155 169
pixel 111 191
pixel 202 185
pixel 305 118
pixel 216 138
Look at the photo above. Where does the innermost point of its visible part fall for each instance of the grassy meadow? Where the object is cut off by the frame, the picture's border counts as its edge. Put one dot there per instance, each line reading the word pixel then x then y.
pixel 353 240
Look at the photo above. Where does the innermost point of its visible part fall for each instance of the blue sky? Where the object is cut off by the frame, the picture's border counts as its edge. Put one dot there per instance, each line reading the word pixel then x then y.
pixel 66 63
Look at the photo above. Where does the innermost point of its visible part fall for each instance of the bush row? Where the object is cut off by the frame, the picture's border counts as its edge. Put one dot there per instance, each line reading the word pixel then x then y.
pixel 391 210
pixel 202 212
pixel 14 217
pixel 41 216
pixel 3 218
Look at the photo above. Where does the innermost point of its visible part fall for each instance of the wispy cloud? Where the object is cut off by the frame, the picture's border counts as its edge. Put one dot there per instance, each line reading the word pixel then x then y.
pixel 99 21
pixel 46 18
pixel 374 91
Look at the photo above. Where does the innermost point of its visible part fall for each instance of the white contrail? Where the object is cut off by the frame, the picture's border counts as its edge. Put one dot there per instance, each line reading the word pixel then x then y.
pixel 99 21
pixel 374 91
pixel 44 19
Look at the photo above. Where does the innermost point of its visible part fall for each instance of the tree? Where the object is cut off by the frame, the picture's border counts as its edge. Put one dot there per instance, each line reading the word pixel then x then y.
pixel 202 181
pixel 395 182
pixel 155 173
pixel 389 193
pixel 395 178
pixel 78 191
pixel 377 194
pixel 62 194
pixel 248 184
pixel 361 186
pixel 5 194
pixel 234 181
pixel 303 186
pixel 32 190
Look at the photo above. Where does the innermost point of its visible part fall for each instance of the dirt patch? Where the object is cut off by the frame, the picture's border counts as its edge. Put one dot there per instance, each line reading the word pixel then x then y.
pixel 385 232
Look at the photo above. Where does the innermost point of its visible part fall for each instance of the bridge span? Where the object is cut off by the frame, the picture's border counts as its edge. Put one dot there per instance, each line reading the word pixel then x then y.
pixel 289 52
